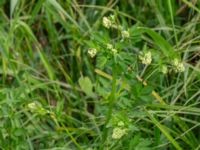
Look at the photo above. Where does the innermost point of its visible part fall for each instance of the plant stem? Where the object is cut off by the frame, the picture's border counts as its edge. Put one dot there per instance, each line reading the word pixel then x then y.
pixel 110 109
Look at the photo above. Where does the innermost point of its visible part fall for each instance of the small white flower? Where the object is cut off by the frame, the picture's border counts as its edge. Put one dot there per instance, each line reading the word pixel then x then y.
pixel 121 124
pixel 145 57
pixel 181 67
pixel 118 133
pixel 109 46
pixel 164 69
pixel 36 107
pixel 107 22
pixel 92 52
pixel 114 50
pixel 125 34
pixel 178 66
pixel 32 106
pixel 175 62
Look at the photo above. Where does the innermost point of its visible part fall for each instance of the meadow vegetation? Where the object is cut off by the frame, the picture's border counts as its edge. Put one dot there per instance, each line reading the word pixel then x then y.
pixel 99 74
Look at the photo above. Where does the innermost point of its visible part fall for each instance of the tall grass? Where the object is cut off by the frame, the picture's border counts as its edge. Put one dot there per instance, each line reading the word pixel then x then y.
pixel 54 96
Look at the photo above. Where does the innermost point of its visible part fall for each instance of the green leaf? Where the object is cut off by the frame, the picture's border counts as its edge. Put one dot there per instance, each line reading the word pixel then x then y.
pixel 164 131
pixel 147 90
pixel 101 61
pixel 86 85
pixel 12 6
pixel 62 11
pixel 19 132
pixel 164 46
pixel 46 64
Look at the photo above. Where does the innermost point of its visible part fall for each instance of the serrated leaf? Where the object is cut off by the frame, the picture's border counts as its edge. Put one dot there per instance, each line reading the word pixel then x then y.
pixel 101 61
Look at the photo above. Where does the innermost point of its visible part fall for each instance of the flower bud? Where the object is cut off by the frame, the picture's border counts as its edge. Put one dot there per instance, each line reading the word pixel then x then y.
pixel 107 22
pixel 145 57
pixel 118 133
pixel 92 52
pixel 125 34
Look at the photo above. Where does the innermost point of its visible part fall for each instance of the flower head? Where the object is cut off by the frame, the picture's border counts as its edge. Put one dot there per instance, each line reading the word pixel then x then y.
pixel 118 133
pixel 178 65
pixel 32 106
pixel 145 57
pixel 92 52
pixel 125 34
pixel 37 108
pixel 107 22
pixel 109 46
pixel 114 50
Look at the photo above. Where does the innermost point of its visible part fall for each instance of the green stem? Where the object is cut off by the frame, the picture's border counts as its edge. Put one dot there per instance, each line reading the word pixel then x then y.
pixel 110 109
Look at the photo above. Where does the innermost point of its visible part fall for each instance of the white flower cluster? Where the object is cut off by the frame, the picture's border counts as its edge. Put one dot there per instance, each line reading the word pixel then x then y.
pixel 145 57
pixel 125 34
pixel 114 51
pixel 110 47
pixel 37 107
pixel 178 65
pixel 120 131
pixel 107 22
pixel 92 52
pixel 32 106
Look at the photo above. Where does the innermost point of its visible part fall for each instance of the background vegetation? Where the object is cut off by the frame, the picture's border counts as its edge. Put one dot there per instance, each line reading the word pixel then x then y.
pixel 53 95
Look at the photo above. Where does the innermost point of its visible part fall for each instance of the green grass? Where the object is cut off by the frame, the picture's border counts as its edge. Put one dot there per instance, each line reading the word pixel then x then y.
pixel 53 95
